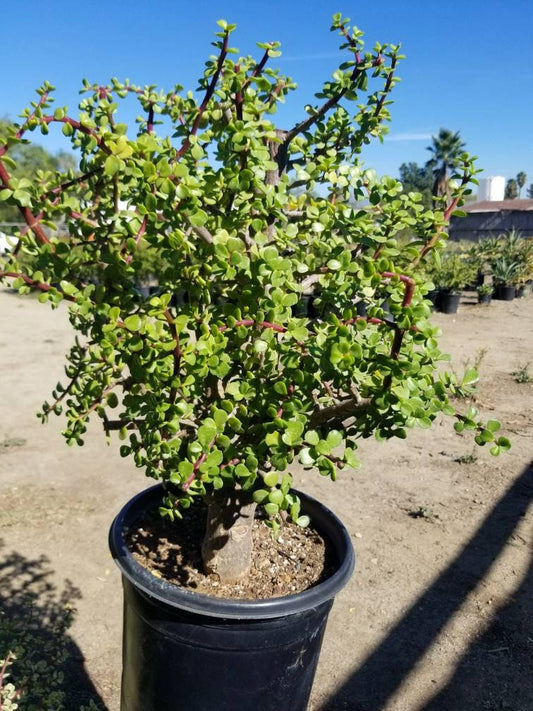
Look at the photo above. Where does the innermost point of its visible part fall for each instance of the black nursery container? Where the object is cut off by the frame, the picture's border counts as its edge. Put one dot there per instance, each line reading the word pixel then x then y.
pixel 305 307
pixel 183 651
pixel 449 302
pixel 505 292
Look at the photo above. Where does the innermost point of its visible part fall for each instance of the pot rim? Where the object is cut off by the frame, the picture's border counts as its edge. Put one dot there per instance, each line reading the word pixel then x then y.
pixel 174 596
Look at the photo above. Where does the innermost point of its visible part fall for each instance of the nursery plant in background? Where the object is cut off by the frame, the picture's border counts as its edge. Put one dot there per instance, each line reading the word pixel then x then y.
pixel 218 397
pixel 484 293
pixel 452 271
pixel 504 273
pixel 508 257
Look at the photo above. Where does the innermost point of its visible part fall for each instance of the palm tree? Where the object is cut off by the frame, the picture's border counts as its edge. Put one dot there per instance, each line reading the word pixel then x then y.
pixel 446 150
pixel 521 181
pixel 511 189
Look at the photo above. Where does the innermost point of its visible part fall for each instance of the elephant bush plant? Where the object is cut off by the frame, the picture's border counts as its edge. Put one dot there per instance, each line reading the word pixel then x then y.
pixel 216 383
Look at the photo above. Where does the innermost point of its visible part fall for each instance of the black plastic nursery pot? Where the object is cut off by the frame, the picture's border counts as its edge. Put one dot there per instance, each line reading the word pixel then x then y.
pixel 484 299
pixel 505 292
pixel 184 651
pixel 449 302
pixel 305 307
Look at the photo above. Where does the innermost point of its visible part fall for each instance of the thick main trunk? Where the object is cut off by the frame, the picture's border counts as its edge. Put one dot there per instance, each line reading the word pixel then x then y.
pixel 227 544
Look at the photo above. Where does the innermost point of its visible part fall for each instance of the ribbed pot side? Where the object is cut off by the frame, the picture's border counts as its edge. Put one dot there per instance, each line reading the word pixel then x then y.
pixel 187 651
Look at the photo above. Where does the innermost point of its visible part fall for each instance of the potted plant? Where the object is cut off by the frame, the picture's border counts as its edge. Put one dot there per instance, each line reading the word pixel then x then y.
pixel 484 294
pixel 504 273
pixel 525 268
pixel 218 396
pixel 451 275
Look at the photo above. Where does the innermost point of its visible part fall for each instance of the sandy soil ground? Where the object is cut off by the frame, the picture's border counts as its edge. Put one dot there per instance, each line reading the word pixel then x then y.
pixel 439 613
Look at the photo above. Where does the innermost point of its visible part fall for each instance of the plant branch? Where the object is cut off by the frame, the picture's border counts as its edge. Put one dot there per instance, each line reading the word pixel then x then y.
pixel 201 459
pixel 338 413
pixel 78 126
pixel 208 94
pixel 258 69
pixel 7 661
pixel 150 119
pixel 64 186
pixel 138 236
pixel 323 110
pixel 29 217
pixel 251 322
pixel 84 415
pixel 447 214
pixel 113 425
pixel 68 389
pixel 36 284
pixel 387 88
pixel 409 286
pixel 202 232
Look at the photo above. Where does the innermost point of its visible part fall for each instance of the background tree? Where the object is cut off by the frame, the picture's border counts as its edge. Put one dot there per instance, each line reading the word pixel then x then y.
pixel 521 178
pixel 446 150
pixel 530 191
pixel 511 189
pixel 417 178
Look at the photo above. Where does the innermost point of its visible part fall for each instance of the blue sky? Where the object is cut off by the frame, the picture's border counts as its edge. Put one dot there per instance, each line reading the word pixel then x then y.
pixel 468 66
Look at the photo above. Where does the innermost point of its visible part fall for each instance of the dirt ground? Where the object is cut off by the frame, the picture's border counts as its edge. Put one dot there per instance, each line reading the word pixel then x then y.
pixel 439 613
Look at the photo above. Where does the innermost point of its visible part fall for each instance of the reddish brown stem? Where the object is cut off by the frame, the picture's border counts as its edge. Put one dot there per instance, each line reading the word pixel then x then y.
pixel 231 463
pixel 251 322
pixel 138 236
pixel 290 391
pixel 36 284
pixel 97 402
pixel 208 94
pixel 257 70
pixel 29 217
pixel 386 88
pixel 201 459
pixel 347 37
pixel 447 214
pixel 64 186
pixel 368 319
pixel 78 126
pixel 172 324
pixel 323 110
pixel 409 286
pixel 8 659
pixel 150 120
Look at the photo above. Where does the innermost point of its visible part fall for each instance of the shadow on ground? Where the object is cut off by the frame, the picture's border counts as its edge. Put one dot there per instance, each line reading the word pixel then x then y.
pixel 496 672
pixel 34 621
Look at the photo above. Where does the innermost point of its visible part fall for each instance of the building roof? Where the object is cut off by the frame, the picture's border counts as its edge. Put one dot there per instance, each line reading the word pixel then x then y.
pixel 498 205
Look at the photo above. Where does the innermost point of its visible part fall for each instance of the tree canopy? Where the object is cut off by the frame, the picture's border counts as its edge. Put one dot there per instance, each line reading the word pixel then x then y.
pixel 446 150
pixel 511 189
pixel 417 178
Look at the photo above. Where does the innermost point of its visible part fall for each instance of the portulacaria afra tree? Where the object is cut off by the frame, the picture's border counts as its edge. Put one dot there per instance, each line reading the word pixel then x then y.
pixel 219 395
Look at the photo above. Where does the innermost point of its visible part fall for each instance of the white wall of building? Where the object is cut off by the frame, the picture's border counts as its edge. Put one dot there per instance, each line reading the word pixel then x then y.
pixel 492 188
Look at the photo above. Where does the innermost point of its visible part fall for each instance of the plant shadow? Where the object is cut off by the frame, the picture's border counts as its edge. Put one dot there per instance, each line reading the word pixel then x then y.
pixel 48 670
pixel 495 672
